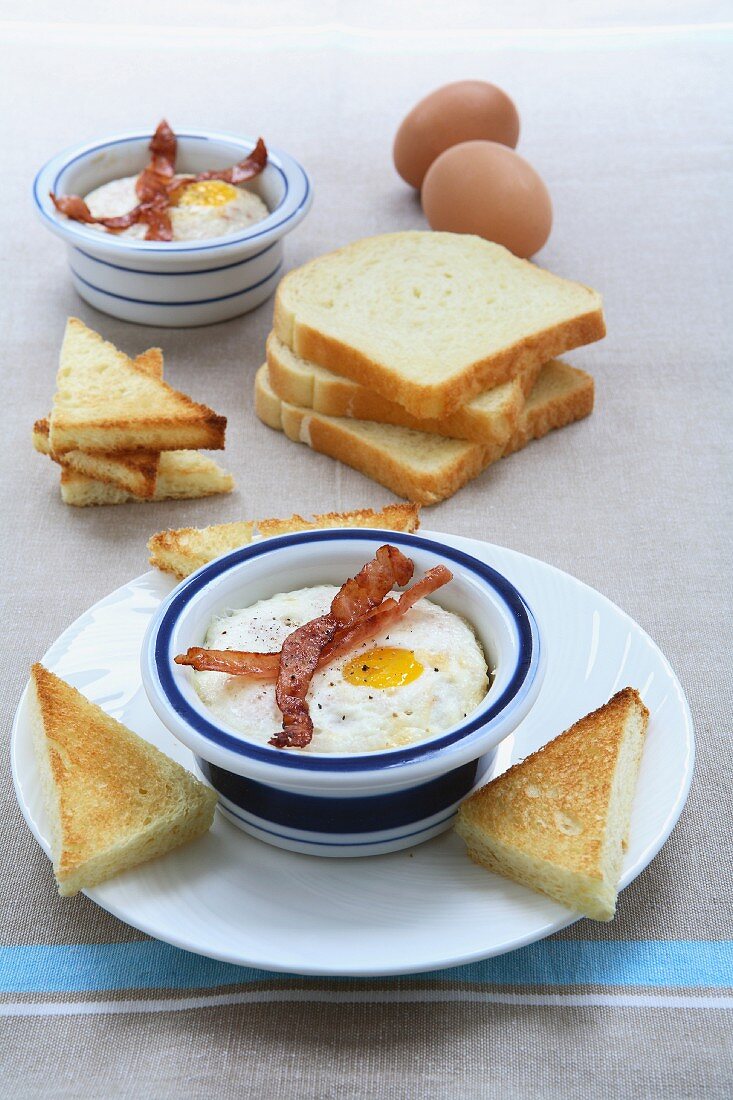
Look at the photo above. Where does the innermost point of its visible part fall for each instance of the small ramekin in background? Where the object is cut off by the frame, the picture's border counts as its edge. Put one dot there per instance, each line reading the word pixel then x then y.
pixel 354 804
pixel 173 284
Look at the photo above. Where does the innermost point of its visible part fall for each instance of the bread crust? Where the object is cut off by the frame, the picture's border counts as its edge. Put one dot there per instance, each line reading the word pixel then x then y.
pixel 332 437
pixel 182 475
pixel 181 551
pixel 443 399
pixel 346 397
pixel 110 435
pixel 336 437
pixel 133 472
pixel 394 517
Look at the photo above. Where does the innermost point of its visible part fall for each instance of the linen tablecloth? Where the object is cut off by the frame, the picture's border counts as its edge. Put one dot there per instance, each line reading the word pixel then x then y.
pixel 626 114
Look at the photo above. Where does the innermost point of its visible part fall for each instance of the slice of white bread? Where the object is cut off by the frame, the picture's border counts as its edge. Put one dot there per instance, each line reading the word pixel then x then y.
pixel 417 465
pixel 103 402
pixel 489 418
pixel 186 549
pixel 133 471
pixel 558 822
pixel 182 475
pixel 113 801
pixel 430 320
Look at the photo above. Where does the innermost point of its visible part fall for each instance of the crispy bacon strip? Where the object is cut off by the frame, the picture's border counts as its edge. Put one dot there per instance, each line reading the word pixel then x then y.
pixel 156 178
pixel 76 209
pixel 247 169
pixel 264 666
pixel 158 219
pixel 154 214
pixel 157 186
pixel 302 649
pixel 239 662
pixel 389 613
pixel 235 662
pixel 154 184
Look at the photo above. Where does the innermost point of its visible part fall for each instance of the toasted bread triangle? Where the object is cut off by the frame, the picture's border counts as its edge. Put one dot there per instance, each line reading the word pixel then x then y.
pixel 182 475
pixel 558 821
pixel 104 402
pixel 133 472
pixel 183 550
pixel 113 800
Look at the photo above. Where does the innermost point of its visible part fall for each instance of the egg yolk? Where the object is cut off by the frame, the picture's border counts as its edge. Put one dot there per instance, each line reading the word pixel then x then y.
pixel 383 667
pixel 207 193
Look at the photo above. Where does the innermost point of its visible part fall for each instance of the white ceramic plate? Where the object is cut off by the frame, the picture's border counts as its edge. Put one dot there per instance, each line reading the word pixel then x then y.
pixel 234 898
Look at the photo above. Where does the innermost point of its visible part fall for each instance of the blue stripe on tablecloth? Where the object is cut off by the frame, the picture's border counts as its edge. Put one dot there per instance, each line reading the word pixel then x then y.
pixel 86 968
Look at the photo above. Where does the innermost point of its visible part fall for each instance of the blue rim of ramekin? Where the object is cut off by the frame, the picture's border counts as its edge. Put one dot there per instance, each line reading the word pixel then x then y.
pixel 158 647
pixel 171 248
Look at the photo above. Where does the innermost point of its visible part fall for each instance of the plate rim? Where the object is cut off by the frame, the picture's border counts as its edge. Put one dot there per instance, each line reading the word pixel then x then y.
pixel 463 959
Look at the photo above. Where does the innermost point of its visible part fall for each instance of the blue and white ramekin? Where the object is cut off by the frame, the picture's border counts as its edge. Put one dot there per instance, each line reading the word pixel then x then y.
pixel 174 284
pixel 342 804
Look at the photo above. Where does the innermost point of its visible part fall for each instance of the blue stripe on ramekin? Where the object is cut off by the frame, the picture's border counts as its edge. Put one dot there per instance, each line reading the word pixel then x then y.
pixel 173 305
pixel 370 813
pixel 307 842
pixel 518 686
pixel 221 242
pixel 176 274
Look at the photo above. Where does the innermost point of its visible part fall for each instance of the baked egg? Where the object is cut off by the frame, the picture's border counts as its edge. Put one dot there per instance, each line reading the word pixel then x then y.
pixel 206 208
pixel 419 678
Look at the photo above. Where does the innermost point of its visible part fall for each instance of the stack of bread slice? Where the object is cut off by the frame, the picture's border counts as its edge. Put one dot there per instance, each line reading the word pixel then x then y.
pixel 120 433
pixel 421 358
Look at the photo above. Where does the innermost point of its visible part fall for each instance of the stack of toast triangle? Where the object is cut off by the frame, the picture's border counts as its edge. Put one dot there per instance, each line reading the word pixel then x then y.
pixel 421 358
pixel 558 822
pixel 119 432
pixel 112 800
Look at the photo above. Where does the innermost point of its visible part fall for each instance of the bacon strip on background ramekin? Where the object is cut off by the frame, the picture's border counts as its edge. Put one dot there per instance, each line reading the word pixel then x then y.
pixel 247 169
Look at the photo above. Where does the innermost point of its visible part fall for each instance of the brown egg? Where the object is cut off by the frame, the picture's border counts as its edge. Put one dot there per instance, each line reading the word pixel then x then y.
pixel 456 112
pixel 485 188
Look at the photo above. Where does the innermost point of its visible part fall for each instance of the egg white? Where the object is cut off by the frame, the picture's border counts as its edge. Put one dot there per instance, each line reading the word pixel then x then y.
pixel 349 718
